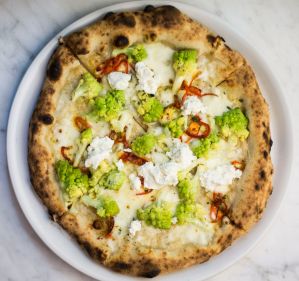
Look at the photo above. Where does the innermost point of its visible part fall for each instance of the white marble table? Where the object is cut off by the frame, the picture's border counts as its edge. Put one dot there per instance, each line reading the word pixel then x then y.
pixel 25 26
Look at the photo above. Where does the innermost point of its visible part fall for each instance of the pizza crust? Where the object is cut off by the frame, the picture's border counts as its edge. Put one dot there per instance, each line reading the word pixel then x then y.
pixel 91 46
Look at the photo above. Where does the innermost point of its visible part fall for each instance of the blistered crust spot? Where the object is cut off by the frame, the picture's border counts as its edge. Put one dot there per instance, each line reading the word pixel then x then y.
pixel 166 16
pixel 122 19
pixel 121 41
pixel 46 119
pixel 55 70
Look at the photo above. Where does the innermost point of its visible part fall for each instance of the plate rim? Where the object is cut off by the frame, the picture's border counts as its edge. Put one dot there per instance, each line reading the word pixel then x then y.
pixel 91 17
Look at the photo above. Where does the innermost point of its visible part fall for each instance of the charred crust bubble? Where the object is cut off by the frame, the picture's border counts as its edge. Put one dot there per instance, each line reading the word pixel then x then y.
pixel 149 270
pixel 47 119
pixel 257 187
pixel 166 16
pixel 34 128
pixel 262 174
pixel 124 19
pixel 265 153
pixel 121 41
pixel 270 143
pixel 54 71
pixel 108 15
pixel 149 8
pixel 214 39
pixel 121 266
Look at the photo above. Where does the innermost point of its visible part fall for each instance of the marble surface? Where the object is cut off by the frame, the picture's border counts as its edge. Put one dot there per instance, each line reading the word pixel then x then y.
pixel 25 26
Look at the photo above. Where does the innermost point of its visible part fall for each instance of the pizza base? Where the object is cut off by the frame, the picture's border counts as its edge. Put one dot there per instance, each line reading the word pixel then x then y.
pixel 91 46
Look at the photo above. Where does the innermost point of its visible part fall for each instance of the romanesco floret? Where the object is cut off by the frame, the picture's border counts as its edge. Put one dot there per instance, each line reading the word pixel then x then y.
pixel 134 52
pixel 105 206
pixel 170 113
pixel 144 144
pixel 201 147
pixel 184 61
pixel 157 215
pixel 186 190
pixel 233 123
pixel 114 179
pixel 84 141
pixel 73 181
pixel 176 127
pixel 96 175
pixel 149 107
pixel 88 87
pixel 108 107
pixel 187 211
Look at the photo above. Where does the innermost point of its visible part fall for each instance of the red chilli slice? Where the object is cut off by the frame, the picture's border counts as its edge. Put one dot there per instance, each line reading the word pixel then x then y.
pixel 132 158
pixel 118 63
pixel 63 151
pixel 218 208
pixel 81 123
pixel 198 129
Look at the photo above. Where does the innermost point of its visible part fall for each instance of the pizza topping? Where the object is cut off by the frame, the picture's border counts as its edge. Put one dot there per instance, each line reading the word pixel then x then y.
pixel 135 53
pixel 146 78
pixel 117 63
pixel 198 128
pixel 157 214
pixel 157 176
pixel 218 208
pixel 238 164
pixel 63 151
pixel 119 80
pixel 188 211
pixel 149 107
pixel 84 140
pixel 202 146
pixel 177 127
pixel 108 107
pixel 170 113
pixel 113 179
pixel 233 123
pixel 144 144
pixel 218 179
pixel 184 64
pixel 120 165
pixel 105 206
pixel 193 105
pixel 99 149
pixel 88 87
pixel 135 182
pixel 135 226
pixel 81 123
pixel 181 154
pixel 132 158
pixel 73 181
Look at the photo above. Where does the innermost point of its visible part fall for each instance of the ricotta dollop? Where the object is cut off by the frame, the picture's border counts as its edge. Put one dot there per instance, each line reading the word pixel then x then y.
pixel 135 182
pixel 98 150
pixel 146 78
pixel 192 106
pixel 119 80
pixel 135 226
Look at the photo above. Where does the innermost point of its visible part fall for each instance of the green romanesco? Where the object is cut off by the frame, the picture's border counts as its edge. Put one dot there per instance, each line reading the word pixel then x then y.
pixel 170 113
pixel 233 123
pixel 186 190
pixel 188 211
pixel 176 127
pixel 114 179
pixel 96 175
pixel 108 107
pixel 105 206
pixel 84 140
pixel 73 181
pixel 157 215
pixel 149 107
pixel 201 147
pixel 144 144
pixel 135 53
pixel 184 65
pixel 88 87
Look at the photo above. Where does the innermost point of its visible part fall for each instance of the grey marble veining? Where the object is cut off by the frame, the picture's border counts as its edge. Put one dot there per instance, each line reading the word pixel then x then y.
pixel 26 26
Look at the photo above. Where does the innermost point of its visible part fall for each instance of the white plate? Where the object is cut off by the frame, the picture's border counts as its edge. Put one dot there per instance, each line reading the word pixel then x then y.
pixel 57 239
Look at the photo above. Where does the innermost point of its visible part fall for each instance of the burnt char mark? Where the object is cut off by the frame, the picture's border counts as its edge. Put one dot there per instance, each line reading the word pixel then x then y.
pixel 121 41
pixel 34 128
pixel 46 119
pixel 149 8
pixel 262 174
pixel 270 143
pixel 123 19
pixel 166 16
pixel 121 266
pixel 151 273
pixel 213 39
pixel 54 70
pixel 257 187
pixel 108 15
pixel 265 153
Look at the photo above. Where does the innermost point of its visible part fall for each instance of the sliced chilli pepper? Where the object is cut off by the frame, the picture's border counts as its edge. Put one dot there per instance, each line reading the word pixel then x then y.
pixel 146 191
pixel 132 158
pixel 63 151
pixel 218 208
pixel 240 165
pixel 120 137
pixel 114 64
pixel 198 129
pixel 81 123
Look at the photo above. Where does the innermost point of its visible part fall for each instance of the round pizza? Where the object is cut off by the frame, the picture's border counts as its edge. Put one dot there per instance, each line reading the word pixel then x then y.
pixel 150 141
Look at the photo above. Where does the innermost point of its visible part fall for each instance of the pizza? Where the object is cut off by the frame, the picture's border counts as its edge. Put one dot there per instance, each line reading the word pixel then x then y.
pixel 150 141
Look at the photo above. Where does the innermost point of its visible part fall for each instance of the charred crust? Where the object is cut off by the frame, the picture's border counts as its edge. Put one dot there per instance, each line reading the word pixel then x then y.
pixel 213 40
pixel 257 187
pixel 34 128
pixel 166 16
pixel 153 36
pixel 149 8
pixel 121 266
pixel 265 154
pixel 262 174
pixel 108 15
pixel 93 252
pixel 150 271
pixel 270 143
pixel 54 70
pixel 121 41
pixel 123 19
pixel 46 119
